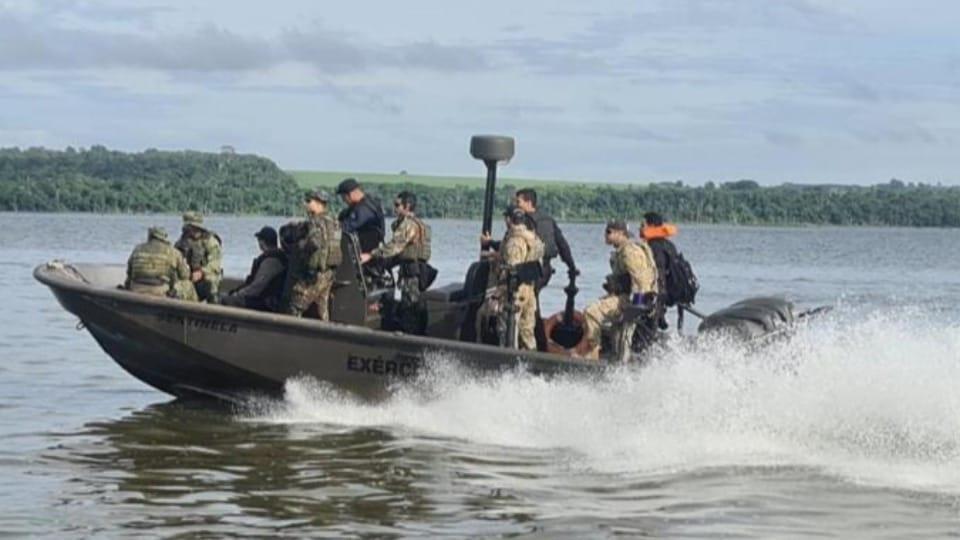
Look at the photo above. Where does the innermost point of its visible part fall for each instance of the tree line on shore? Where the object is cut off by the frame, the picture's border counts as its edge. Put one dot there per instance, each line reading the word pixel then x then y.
pixel 105 181
pixel 100 180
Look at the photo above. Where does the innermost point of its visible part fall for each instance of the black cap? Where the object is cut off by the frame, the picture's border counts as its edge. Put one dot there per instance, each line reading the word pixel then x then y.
pixel 347 185
pixel 268 235
pixel 617 225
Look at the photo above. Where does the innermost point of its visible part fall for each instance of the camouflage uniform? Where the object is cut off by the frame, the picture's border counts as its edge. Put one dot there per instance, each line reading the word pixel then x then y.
pixel 204 254
pixel 521 245
pixel 313 267
pixel 635 260
pixel 410 245
pixel 156 268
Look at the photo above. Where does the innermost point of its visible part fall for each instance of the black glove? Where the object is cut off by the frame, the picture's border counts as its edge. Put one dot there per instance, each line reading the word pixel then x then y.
pixel 609 286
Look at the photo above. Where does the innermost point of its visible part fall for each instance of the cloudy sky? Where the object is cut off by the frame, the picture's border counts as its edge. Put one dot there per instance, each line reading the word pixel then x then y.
pixel 851 91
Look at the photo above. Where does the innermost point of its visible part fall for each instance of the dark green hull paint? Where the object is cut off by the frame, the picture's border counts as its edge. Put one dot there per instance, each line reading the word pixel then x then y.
pixel 201 350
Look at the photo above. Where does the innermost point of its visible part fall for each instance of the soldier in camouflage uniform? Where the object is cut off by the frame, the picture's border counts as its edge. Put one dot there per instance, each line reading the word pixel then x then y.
pixel 521 253
pixel 316 255
pixel 633 272
pixel 409 248
pixel 203 251
pixel 156 268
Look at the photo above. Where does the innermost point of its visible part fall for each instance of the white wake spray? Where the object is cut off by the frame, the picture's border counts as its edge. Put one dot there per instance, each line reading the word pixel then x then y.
pixel 868 398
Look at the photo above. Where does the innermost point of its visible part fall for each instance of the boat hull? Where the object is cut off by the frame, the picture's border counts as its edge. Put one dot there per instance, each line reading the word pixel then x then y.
pixel 201 350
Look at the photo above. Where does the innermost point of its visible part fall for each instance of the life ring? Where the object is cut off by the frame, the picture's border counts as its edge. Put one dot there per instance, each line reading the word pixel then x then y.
pixel 581 348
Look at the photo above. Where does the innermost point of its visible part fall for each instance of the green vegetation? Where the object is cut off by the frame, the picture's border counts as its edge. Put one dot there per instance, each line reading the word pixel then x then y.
pixel 312 179
pixel 100 180
pixel 742 202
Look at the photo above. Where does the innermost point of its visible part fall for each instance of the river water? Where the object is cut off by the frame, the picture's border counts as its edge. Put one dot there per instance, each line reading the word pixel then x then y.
pixel 849 429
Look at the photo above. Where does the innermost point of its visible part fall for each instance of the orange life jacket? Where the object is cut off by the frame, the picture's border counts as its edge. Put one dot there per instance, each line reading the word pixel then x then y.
pixel 662 231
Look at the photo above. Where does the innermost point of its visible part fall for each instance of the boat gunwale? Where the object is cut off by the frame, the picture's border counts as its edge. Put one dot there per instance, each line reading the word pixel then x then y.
pixel 57 278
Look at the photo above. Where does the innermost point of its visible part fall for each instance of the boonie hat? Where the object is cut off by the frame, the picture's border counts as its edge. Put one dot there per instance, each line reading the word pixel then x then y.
pixel 193 219
pixel 157 232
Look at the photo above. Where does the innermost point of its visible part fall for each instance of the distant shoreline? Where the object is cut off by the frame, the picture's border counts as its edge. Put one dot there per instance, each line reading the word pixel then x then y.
pixel 102 181
pixel 632 222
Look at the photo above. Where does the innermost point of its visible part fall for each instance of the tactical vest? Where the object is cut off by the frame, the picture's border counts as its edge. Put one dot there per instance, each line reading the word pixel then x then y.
pixel 275 288
pixel 649 252
pixel 530 269
pixel 537 250
pixel 194 251
pixel 153 263
pixel 372 232
pixel 545 230
pixel 419 249
pixel 535 247
pixel 622 280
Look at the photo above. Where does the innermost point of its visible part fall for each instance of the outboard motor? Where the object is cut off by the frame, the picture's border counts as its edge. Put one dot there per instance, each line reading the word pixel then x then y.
pixel 752 318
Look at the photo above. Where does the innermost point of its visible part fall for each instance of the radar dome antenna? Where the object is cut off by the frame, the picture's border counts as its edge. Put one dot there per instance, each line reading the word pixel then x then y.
pixel 491 149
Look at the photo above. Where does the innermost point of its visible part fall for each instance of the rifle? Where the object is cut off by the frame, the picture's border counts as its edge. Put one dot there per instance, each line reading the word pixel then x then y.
pixel 510 338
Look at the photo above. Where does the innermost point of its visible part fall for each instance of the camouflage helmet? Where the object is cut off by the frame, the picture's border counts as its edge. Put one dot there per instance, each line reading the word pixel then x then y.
pixel 193 219
pixel 318 195
pixel 157 233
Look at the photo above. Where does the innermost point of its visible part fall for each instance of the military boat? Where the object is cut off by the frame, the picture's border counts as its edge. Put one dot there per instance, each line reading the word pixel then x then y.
pixel 199 350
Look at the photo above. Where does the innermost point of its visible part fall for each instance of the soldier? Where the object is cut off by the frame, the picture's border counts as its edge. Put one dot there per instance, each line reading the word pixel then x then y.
pixel 657 235
pixel 554 243
pixel 203 250
pixel 521 253
pixel 409 248
pixel 363 215
pixel 315 259
pixel 633 272
pixel 156 268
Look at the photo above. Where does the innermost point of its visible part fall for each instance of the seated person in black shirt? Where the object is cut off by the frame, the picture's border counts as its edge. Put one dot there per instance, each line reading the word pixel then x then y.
pixel 264 286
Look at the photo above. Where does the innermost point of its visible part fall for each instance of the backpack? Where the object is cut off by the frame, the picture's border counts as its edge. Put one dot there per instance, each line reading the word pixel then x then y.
pixel 681 282
pixel 331 233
